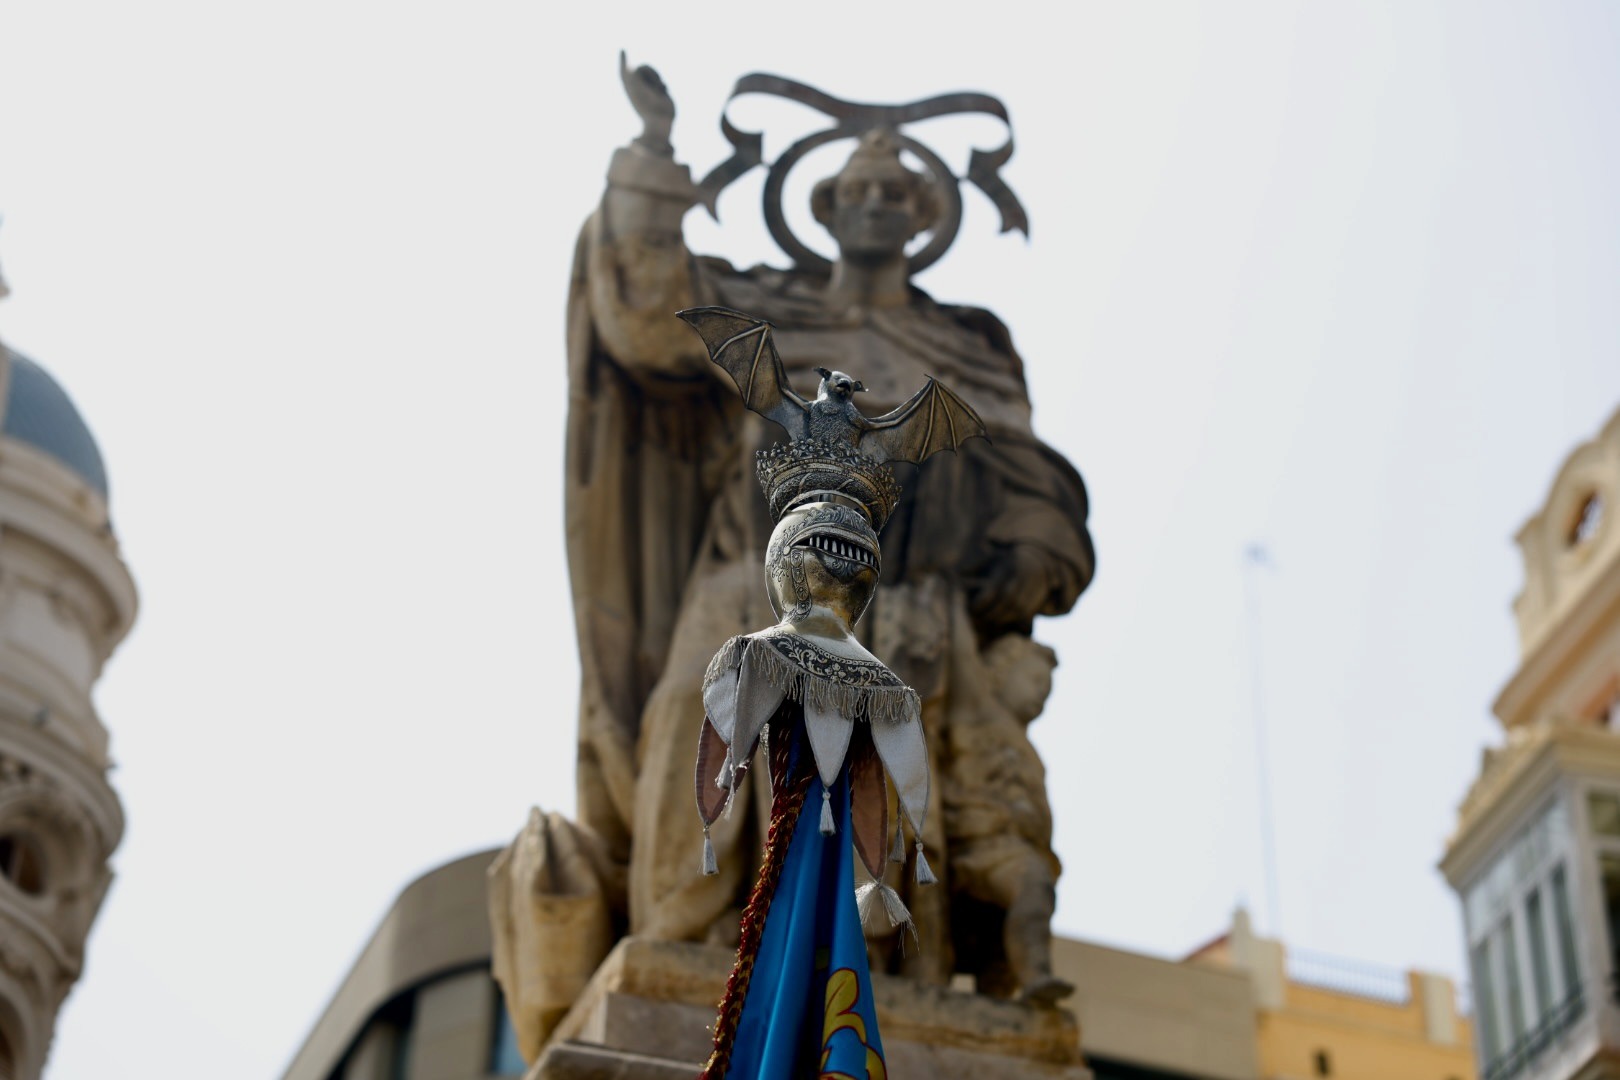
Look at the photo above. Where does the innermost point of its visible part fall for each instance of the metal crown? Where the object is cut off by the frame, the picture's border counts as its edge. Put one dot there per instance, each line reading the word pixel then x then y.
pixel 822 470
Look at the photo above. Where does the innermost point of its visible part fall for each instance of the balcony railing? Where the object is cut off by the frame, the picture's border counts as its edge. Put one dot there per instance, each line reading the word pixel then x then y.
pixel 1389 985
pixel 1526 1048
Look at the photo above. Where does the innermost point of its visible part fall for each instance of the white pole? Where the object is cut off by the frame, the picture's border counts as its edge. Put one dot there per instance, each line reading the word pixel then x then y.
pixel 1255 559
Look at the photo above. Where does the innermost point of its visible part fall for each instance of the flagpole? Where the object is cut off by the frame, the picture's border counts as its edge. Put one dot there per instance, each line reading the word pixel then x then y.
pixel 1255 559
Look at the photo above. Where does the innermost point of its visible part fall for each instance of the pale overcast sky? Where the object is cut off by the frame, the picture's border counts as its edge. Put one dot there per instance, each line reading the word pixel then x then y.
pixel 1337 279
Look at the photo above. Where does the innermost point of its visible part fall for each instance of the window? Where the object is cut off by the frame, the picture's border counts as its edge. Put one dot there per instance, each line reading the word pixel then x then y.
pixel 1510 966
pixel 1498 888
pixel 1566 935
pixel 21 862
pixel 1490 1035
pixel 1588 519
pixel 505 1059
pixel 1610 875
pixel 399 1061
pixel 1603 819
pixel 1536 926
pixel 1522 951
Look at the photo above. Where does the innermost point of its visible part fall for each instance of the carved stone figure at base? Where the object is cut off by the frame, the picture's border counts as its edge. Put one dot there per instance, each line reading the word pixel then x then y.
pixel 999 827
pixel 556 907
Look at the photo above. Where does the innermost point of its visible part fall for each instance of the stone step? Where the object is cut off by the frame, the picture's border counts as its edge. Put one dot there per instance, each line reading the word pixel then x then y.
pixel 648 1013
pixel 582 1061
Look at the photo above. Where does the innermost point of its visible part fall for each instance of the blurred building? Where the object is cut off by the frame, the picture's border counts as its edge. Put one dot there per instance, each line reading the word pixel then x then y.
pixel 1536 854
pixel 420 1001
pixel 66 601
pixel 1323 1016
pixel 420 1004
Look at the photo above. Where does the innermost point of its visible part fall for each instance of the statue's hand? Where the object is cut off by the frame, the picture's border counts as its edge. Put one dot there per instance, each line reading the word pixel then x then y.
pixel 650 98
pixel 1016 588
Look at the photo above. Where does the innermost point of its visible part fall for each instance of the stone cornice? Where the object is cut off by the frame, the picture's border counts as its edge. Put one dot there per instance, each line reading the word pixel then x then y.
pixel 1560 648
pixel 27 468
pixel 1517 776
pixel 26 686
pixel 47 501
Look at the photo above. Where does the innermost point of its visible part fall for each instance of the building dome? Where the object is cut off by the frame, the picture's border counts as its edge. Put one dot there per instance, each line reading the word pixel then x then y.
pixel 37 411
pixel 68 601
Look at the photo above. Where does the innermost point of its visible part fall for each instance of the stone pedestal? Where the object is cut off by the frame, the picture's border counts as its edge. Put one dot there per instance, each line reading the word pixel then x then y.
pixel 648 1012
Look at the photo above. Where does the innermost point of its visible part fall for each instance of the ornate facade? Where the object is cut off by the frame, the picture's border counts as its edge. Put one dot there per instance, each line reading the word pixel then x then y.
pixel 66 601
pixel 1536 854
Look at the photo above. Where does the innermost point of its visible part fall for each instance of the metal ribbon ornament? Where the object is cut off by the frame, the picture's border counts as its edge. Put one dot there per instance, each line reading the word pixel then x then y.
pixel 852 120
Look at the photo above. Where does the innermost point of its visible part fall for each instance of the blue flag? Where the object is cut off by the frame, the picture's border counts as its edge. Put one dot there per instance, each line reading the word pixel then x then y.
pixel 809 1010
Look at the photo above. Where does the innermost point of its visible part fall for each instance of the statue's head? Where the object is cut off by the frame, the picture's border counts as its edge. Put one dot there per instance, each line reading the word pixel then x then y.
pixel 875 205
pixel 822 555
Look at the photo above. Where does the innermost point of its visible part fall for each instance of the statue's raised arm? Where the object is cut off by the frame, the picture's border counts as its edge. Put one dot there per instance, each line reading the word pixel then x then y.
pixel 647 418
pixel 633 267
pixel 650 98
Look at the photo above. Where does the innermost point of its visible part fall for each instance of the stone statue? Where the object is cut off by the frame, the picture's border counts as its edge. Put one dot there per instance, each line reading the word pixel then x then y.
pixel 665 527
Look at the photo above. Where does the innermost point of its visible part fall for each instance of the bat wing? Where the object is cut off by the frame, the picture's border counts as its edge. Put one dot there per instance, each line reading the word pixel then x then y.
pixel 742 345
pixel 934 419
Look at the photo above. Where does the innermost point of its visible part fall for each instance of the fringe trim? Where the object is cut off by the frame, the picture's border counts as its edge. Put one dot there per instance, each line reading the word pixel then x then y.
pixel 874 895
pixel 879 704
pixel 728 658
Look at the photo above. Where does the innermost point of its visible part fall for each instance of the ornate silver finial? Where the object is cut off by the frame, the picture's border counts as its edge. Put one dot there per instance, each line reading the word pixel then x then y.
pixel 830 490
pixel 835 449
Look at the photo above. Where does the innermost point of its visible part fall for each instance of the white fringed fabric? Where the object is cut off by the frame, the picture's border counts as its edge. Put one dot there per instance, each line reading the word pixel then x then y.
pixel 888 701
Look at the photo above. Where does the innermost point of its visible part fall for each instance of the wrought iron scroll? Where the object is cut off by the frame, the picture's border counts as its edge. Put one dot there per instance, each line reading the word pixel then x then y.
pixel 851 120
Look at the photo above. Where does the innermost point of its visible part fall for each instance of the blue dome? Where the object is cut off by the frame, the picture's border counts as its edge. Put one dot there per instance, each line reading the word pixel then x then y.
pixel 39 413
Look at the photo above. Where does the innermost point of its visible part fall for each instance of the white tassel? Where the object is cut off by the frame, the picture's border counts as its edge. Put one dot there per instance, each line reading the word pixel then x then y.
pixel 827 826
pixel 925 876
pixel 898 852
pixel 733 777
pixel 867 901
pixel 710 866
pixel 894 907
pixel 874 895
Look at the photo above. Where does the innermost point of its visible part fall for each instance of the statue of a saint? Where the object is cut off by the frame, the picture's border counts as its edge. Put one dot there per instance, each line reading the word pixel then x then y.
pixel 666 530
